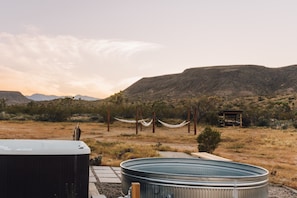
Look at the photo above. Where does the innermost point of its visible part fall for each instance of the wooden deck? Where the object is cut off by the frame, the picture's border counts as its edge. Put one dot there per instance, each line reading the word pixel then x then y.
pixel 208 156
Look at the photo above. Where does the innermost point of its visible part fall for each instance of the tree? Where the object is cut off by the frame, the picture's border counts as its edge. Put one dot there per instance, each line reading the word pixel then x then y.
pixel 205 105
pixel 2 104
pixel 208 140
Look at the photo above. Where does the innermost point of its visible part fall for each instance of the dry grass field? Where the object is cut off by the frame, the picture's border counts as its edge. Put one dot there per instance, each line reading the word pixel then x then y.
pixel 272 149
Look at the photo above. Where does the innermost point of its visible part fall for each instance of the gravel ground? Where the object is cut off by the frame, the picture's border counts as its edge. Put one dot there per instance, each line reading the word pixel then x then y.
pixel 275 191
pixel 110 190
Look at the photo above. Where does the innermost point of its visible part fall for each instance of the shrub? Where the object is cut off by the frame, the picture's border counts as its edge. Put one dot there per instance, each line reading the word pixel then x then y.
pixel 262 122
pixel 96 161
pixel 208 140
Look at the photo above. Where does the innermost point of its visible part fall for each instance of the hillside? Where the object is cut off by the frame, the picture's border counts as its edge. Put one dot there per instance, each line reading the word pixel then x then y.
pixel 13 97
pixel 235 80
pixel 42 97
pixel 231 81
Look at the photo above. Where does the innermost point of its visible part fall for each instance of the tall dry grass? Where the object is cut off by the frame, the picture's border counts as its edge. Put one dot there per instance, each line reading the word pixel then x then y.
pixel 272 149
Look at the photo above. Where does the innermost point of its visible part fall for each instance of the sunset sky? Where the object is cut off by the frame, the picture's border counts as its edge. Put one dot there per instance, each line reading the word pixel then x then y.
pixel 100 47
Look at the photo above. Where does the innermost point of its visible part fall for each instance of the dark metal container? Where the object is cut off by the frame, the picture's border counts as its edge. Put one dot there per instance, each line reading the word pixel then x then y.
pixel 192 178
pixel 44 169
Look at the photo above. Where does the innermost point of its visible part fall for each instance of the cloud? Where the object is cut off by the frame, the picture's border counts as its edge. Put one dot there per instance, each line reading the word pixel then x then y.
pixel 66 64
pixel 31 29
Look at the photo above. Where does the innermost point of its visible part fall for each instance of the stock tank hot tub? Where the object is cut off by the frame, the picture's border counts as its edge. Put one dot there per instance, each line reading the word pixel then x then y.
pixel 192 178
pixel 44 169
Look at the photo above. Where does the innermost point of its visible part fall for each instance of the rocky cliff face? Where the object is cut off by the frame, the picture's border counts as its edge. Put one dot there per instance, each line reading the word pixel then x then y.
pixel 234 80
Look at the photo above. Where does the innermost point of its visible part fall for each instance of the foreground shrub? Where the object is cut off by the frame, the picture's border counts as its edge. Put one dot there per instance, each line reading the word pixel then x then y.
pixel 96 161
pixel 208 140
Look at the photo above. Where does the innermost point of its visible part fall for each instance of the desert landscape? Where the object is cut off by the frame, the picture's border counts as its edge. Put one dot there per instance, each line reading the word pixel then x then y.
pixel 269 148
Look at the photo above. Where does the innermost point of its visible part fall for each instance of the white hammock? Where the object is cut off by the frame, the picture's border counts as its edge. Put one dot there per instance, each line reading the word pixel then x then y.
pixel 146 124
pixel 184 123
pixel 142 121
pixel 126 121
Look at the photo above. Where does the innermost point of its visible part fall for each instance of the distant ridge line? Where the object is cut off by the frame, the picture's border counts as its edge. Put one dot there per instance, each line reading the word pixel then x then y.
pixel 225 80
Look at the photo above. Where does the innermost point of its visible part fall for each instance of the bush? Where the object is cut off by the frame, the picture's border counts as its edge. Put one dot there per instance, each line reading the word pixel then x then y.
pixel 262 122
pixel 208 140
pixel 96 161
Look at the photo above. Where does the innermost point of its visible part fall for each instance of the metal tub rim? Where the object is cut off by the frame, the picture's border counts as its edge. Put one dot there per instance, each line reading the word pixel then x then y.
pixel 141 169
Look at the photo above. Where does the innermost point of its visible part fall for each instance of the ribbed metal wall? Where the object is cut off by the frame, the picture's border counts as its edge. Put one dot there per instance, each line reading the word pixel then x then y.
pixel 162 191
pixel 43 169
pixel 192 178
pixel 44 176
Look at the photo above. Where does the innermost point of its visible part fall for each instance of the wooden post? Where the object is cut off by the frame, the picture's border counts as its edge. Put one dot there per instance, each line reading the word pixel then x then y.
pixel 136 118
pixel 188 119
pixel 195 121
pixel 240 117
pixel 135 190
pixel 108 119
pixel 224 117
pixel 154 121
pixel 140 117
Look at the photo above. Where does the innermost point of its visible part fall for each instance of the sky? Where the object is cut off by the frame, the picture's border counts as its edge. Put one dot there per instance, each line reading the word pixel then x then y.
pixel 100 47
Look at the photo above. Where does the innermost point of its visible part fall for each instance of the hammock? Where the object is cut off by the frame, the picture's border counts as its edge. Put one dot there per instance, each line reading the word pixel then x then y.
pixel 142 121
pixel 126 121
pixel 146 124
pixel 184 123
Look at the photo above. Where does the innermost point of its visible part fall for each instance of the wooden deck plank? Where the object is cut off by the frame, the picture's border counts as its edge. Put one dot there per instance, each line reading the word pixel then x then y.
pixel 205 155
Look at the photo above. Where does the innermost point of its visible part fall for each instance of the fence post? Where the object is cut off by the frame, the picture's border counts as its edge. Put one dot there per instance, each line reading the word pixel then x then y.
pixel 154 121
pixel 189 120
pixel 108 119
pixel 195 121
pixel 136 118
pixel 135 190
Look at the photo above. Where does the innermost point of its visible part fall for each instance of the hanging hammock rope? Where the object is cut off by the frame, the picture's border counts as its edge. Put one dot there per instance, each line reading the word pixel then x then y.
pixel 126 121
pixel 142 121
pixel 184 123
pixel 146 124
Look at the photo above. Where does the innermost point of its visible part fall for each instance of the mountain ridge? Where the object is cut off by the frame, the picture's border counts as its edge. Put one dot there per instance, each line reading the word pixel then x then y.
pixel 43 97
pixel 16 97
pixel 13 97
pixel 226 80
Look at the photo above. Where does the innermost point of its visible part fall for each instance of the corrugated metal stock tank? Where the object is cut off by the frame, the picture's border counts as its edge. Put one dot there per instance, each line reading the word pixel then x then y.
pixel 194 177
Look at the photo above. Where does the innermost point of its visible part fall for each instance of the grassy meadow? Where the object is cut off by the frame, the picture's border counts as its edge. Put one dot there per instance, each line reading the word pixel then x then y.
pixel 272 149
